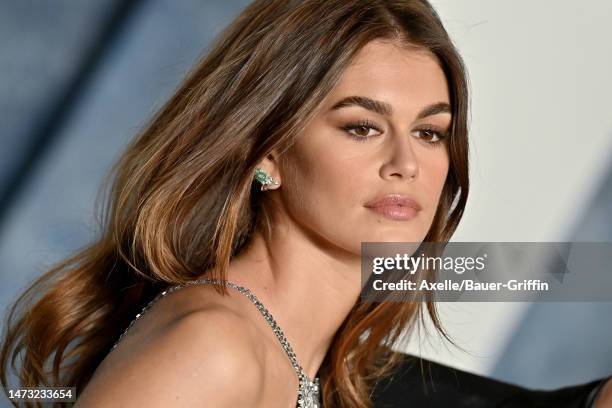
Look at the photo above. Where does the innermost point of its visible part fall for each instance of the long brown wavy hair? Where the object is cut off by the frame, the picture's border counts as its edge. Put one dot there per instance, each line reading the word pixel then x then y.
pixel 182 200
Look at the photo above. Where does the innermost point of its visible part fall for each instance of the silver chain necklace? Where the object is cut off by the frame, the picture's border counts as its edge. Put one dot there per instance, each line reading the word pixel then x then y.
pixel 308 394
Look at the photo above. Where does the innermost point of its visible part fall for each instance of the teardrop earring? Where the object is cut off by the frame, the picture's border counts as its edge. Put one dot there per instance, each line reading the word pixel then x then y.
pixel 265 179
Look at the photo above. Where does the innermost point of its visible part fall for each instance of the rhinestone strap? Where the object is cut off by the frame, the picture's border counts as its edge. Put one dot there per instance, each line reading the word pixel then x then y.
pixel 309 389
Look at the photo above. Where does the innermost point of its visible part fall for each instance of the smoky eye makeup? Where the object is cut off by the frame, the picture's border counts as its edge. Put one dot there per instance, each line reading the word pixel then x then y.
pixel 363 130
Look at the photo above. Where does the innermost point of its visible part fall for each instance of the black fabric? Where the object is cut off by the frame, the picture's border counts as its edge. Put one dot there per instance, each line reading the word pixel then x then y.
pixel 418 382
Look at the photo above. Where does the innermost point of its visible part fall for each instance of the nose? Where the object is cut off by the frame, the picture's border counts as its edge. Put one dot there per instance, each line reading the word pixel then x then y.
pixel 401 161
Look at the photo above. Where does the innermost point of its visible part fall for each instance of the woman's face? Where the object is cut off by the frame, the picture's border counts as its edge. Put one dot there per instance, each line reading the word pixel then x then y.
pixel 351 153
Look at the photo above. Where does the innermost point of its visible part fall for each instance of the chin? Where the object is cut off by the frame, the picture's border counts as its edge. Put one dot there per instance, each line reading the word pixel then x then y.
pixel 394 234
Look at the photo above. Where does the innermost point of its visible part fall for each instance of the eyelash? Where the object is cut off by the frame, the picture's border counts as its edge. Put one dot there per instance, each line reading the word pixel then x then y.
pixel 441 135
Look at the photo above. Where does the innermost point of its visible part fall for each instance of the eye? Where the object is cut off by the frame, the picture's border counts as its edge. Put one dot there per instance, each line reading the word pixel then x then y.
pixel 432 135
pixel 361 130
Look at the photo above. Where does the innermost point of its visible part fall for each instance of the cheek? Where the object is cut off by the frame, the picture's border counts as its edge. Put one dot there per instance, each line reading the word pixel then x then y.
pixel 435 172
pixel 323 164
pixel 335 185
pixel 440 171
pixel 306 183
pixel 322 187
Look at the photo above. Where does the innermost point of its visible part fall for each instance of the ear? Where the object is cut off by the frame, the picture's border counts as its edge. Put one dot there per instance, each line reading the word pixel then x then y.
pixel 270 165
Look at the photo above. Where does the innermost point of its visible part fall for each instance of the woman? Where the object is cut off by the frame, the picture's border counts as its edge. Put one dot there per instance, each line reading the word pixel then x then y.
pixel 310 127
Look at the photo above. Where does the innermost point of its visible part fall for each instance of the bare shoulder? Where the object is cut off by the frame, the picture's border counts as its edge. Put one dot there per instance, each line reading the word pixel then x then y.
pixel 198 359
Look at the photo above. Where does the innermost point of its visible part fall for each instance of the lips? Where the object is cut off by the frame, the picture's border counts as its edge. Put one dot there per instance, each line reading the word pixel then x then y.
pixel 395 206
pixel 395 200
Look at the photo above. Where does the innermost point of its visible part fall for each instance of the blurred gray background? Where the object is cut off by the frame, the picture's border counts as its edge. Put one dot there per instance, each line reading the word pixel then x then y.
pixel 78 78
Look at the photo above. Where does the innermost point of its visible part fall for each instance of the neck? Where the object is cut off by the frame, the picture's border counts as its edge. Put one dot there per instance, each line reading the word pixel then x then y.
pixel 308 290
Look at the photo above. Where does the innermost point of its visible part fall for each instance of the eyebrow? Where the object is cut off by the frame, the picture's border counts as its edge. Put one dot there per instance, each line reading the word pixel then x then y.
pixel 384 108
